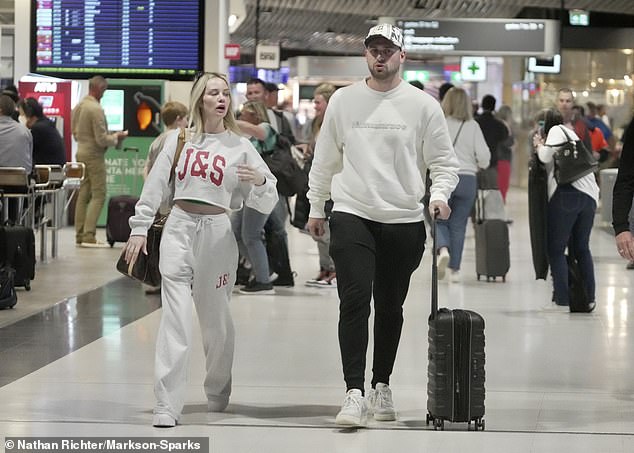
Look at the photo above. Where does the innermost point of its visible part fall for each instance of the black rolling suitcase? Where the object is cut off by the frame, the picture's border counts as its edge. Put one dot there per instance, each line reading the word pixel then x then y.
pixel 493 258
pixel 17 250
pixel 120 209
pixel 8 296
pixel 455 373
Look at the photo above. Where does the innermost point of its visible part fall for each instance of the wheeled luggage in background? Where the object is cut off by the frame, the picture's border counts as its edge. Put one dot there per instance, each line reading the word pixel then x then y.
pixel 455 373
pixel 17 250
pixel 8 296
pixel 493 258
pixel 120 209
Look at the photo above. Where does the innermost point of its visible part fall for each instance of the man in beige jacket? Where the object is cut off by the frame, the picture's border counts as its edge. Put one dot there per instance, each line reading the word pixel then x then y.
pixel 90 130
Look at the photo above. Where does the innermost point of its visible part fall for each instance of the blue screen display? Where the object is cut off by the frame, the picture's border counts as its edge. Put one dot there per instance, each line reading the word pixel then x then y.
pixel 117 38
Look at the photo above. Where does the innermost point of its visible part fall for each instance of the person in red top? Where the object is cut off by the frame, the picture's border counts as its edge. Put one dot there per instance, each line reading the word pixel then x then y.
pixel 565 106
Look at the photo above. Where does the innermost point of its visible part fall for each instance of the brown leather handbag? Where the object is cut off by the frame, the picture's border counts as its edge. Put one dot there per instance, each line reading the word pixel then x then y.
pixel 146 267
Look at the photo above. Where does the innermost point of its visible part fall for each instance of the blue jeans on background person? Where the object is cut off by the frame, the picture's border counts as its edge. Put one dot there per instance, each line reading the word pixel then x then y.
pixel 276 223
pixel 570 219
pixel 247 225
pixel 451 232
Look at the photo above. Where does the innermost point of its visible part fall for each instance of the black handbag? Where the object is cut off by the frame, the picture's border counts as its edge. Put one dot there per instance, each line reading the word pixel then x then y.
pixel 8 296
pixel 146 267
pixel 488 179
pixel 572 160
pixel 291 178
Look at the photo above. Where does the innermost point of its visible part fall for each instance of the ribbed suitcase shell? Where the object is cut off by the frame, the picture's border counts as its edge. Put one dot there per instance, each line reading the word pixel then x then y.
pixel 455 388
pixel 492 249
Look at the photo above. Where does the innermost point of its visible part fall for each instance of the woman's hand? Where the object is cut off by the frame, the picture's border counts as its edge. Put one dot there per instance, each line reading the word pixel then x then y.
pixel 306 149
pixel 538 140
pixel 250 175
pixel 134 245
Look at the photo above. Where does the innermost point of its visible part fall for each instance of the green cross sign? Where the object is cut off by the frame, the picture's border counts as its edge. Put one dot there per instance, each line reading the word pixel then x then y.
pixel 473 67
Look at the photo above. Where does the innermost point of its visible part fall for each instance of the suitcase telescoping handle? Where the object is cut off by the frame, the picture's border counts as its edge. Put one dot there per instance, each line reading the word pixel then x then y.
pixel 434 269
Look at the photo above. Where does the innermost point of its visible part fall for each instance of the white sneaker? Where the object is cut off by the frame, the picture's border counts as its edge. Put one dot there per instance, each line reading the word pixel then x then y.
pixel 163 421
pixel 455 276
pixel 380 403
pixel 354 411
pixel 443 260
pixel 95 245
pixel 217 403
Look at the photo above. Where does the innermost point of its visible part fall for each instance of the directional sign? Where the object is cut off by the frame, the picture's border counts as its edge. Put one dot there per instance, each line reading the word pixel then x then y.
pixel 267 57
pixel 232 51
pixel 473 69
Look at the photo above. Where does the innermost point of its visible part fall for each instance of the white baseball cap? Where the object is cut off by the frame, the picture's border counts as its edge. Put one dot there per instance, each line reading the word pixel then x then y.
pixel 388 31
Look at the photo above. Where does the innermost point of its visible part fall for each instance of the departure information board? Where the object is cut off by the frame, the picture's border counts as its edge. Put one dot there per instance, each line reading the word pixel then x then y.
pixel 481 36
pixel 117 38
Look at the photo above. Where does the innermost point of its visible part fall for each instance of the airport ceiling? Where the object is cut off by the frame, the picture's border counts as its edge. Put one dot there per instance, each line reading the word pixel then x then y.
pixel 339 26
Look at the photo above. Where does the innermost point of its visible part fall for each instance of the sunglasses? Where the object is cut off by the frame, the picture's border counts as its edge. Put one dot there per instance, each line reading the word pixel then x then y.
pixel 386 52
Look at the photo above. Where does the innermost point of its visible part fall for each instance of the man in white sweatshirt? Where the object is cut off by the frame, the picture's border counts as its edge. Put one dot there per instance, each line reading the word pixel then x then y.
pixel 378 138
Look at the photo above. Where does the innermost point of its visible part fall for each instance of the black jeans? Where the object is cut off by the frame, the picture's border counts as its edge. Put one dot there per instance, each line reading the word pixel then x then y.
pixel 372 259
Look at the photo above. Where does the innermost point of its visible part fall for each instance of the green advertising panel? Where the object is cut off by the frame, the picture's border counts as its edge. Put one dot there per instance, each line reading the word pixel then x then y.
pixel 132 105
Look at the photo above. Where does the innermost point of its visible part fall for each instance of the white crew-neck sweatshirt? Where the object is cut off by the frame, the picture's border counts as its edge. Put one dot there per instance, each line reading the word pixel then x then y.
pixel 373 150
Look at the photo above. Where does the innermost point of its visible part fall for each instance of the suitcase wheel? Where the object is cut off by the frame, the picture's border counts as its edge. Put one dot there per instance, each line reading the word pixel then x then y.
pixel 478 277
pixel 27 285
pixel 111 243
pixel 478 424
pixel 439 423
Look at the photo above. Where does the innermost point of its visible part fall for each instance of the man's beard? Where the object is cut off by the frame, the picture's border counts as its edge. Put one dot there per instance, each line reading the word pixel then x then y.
pixel 385 74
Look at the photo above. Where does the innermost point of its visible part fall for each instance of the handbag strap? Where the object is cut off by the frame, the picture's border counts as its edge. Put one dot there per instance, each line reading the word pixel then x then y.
pixel 457 134
pixel 179 148
pixel 568 137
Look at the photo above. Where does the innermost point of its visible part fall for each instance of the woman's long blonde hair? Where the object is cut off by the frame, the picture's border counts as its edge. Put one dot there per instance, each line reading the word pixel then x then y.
pixel 326 90
pixel 259 109
pixel 456 104
pixel 197 121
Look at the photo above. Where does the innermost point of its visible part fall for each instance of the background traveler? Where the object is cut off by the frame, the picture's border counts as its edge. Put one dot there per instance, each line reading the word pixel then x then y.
pixel 48 144
pixel 494 130
pixel 473 154
pixel 248 223
pixel 571 210
pixel 90 130
pixel 327 276
pixel 16 148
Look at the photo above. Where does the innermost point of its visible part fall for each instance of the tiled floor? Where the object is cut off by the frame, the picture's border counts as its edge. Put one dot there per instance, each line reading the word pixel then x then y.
pixel 555 381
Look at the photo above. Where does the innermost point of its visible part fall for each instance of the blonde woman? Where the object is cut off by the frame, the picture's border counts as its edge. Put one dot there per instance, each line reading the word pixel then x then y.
pixel 473 154
pixel 217 171
pixel 327 276
pixel 248 224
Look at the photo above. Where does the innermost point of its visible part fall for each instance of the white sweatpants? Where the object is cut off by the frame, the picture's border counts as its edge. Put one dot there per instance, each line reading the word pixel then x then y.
pixel 198 262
